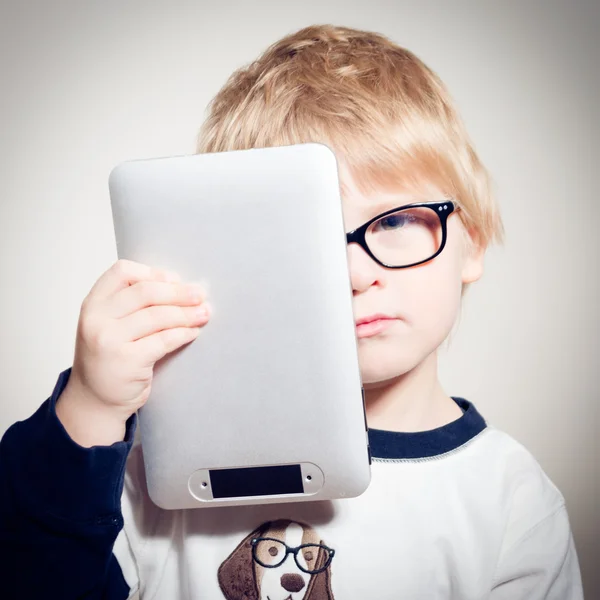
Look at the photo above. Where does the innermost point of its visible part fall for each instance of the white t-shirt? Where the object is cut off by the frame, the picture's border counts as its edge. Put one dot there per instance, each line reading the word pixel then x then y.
pixel 462 512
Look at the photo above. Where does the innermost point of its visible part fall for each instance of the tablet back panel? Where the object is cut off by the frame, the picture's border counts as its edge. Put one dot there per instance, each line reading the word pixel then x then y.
pixel 266 404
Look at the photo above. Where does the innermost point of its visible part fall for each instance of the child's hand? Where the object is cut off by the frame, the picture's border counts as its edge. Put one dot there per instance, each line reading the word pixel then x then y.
pixel 133 316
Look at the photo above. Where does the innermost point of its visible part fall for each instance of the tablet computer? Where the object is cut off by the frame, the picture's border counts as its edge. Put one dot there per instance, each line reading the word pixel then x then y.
pixel 266 404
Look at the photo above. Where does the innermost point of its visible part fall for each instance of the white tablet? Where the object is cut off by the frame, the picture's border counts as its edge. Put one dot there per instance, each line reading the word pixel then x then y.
pixel 266 404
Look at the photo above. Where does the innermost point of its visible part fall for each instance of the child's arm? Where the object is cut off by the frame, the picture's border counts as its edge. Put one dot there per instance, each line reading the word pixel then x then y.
pixel 540 563
pixel 60 510
pixel 62 470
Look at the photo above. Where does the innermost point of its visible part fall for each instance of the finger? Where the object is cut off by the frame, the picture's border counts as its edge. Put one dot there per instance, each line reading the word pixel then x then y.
pixel 125 273
pixel 154 347
pixel 153 319
pixel 144 294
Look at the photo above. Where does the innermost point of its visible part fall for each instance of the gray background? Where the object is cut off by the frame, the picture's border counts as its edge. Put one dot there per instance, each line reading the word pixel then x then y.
pixel 86 85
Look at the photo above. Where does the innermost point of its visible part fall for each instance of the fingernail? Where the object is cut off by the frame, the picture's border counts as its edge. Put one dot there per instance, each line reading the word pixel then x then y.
pixel 201 312
pixel 196 290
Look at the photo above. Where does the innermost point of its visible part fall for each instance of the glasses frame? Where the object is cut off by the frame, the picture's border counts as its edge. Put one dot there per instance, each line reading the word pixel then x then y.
pixel 442 209
pixel 330 552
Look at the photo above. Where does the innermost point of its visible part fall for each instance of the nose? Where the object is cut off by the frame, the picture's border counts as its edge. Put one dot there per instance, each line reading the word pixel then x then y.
pixel 363 269
pixel 292 582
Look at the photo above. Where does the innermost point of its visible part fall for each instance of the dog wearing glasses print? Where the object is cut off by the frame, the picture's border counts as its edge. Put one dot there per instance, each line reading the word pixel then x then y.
pixel 280 560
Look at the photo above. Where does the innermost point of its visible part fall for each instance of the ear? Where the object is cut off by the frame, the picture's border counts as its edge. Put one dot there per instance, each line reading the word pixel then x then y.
pixel 319 587
pixel 474 253
pixel 236 574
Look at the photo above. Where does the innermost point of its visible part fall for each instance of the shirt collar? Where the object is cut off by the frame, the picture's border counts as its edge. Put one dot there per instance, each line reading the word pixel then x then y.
pixel 425 444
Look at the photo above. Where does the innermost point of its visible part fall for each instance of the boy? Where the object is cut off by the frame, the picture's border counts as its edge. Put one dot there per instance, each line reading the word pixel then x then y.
pixel 455 510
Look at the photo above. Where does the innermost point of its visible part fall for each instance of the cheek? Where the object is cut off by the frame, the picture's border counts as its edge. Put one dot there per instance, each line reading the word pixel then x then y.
pixel 430 295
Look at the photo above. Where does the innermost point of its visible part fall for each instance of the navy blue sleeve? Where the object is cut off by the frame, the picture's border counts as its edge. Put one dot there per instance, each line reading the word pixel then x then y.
pixel 60 510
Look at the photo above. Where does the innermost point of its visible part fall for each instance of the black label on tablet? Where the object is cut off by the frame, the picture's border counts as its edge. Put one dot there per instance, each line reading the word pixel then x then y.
pixel 256 481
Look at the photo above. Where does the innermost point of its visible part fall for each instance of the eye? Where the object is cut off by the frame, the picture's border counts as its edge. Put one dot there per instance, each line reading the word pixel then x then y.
pixel 308 555
pixel 394 221
pixel 273 551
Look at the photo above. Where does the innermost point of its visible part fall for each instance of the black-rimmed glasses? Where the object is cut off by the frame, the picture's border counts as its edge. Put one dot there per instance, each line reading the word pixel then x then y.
pixel 405 236
pixel 278 551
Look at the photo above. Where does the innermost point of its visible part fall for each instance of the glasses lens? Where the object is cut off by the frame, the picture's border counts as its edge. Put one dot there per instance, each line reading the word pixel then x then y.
pixel 307 558
pixel 405 237
pixel 269 553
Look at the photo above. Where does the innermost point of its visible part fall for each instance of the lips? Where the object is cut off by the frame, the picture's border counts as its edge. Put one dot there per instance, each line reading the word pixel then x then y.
pixel 377 317
pixel 373 325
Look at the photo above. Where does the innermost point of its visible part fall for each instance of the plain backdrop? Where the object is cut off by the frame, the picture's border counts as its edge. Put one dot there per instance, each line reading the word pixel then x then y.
pixel 86 85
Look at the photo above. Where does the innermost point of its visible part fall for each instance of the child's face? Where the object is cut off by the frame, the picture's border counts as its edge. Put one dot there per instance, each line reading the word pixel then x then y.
pixel 423 301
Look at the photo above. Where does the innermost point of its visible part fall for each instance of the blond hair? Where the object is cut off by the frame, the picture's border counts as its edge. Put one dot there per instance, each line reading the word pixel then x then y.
pixel 376 104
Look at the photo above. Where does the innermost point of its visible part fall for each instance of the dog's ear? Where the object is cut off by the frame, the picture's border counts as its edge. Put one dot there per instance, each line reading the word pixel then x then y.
pixel 236 574
pixel 319 586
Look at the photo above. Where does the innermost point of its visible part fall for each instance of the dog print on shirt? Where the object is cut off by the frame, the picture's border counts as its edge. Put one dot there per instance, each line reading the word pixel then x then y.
pixel 280 560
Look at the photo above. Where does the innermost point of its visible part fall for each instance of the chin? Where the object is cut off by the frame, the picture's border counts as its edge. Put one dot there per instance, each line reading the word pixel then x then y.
pixel 379 367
